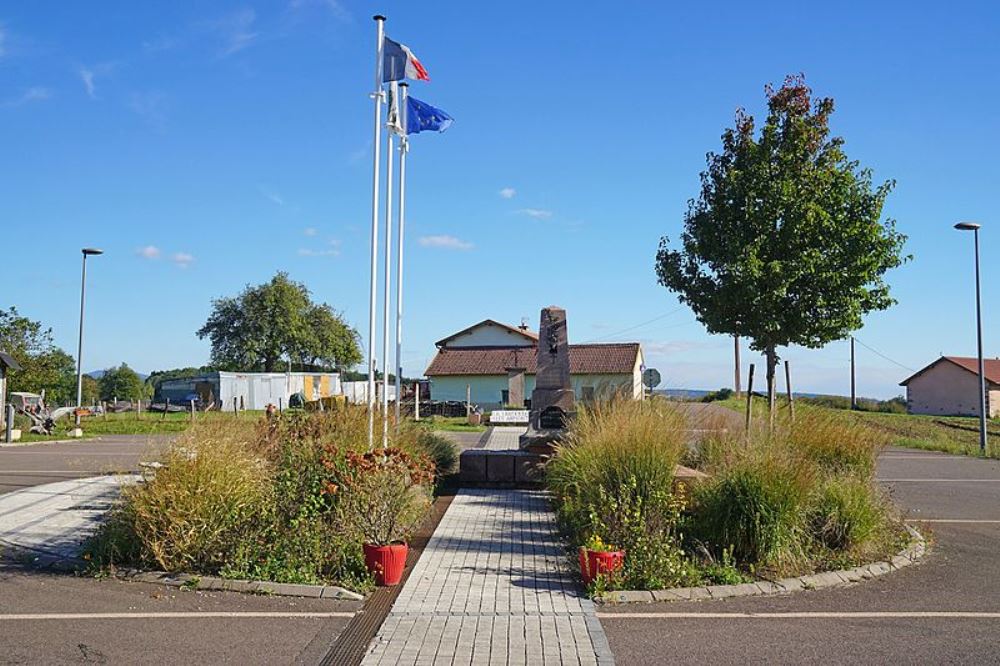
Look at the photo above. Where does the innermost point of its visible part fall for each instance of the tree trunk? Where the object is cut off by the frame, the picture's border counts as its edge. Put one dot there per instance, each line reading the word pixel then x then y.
pixel 772 364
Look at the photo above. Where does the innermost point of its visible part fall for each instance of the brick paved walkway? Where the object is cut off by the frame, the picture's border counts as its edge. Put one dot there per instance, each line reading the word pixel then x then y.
pixel 493 586
pixel 504 438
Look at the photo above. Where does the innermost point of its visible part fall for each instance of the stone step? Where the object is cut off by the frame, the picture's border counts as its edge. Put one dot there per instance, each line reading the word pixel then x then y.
pixel 514 468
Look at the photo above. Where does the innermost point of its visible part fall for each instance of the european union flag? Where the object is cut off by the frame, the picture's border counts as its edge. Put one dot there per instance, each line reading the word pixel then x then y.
pixel 422 117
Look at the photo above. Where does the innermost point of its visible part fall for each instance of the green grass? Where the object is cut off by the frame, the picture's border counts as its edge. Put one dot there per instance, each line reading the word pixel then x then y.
pixel 130 423
pixel 950 434
pixel 450 424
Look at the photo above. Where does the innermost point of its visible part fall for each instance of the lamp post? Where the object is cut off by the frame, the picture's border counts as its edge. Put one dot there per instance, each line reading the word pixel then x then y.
pixel 87 251
pixel 974 228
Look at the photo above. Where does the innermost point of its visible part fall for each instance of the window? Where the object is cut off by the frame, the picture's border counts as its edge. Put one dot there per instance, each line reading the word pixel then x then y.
pixel 588 393
pixel 504 397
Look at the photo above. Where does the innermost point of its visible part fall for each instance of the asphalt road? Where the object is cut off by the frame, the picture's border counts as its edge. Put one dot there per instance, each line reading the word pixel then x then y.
pixel 50 618
pixel 875 622
pixel 34 464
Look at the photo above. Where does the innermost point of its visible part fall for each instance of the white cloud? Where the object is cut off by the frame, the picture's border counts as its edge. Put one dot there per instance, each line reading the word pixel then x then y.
pixel 182 259
pixel 537 213
pixel 446 242
pixel 148 252
pixel 508 192
pixel 35 94
pixel 309 252
pixel 272 196
pixel 310 231
pixel 87 76
pixel 235 31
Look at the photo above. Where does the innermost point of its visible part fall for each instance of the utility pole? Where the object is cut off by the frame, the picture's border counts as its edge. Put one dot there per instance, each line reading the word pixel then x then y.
pixel 854 395
pixel 736 367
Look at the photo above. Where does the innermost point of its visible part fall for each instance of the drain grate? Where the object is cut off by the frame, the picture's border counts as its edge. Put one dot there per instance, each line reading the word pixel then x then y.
pixel 352 644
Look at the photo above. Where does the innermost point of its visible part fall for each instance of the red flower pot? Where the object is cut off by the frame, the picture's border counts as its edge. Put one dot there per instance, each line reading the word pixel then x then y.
pixel 596 562
pixel 386 562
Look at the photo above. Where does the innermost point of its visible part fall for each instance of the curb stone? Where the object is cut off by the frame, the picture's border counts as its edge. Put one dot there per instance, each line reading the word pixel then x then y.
pixel 826 579
pixel 214 583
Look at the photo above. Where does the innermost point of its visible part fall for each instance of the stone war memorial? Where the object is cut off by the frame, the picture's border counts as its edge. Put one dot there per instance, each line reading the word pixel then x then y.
pixel 553 405
pixel 552 402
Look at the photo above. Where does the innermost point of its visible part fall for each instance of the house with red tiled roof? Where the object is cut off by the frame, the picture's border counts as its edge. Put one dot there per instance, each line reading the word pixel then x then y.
pixel 950 387
pixel 485 358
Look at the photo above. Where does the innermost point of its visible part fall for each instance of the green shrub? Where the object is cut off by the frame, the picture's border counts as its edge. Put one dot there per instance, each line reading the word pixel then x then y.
pixel 835 442
pixel 385 496
pixel 267 500
pixel 612 477
pixel 847 513
pixel 201 505
pixel 753 506
pixel 441 451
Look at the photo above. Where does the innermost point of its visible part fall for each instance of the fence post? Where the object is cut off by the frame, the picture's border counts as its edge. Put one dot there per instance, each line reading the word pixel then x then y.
pixel 236 407
pixel 749 400
pixel 416 401
pixel 788 388
pixel 166 408
pixel 9 420
pixel 192 411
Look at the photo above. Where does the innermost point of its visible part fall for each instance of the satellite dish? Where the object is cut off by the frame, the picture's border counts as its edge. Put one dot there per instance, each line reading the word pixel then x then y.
pixel 651 378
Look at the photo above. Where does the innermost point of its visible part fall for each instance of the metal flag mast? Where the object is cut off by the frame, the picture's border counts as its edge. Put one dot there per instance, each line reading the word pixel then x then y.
pixel 404 147
pixel 378 96
pixel 387 297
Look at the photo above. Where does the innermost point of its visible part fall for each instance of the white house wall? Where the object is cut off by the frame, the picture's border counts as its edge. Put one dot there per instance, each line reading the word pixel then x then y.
pixel 490 336
pixel 487 389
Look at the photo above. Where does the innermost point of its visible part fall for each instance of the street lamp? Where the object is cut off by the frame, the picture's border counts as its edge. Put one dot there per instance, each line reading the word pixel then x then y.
pixel 87 251
pixel 974 228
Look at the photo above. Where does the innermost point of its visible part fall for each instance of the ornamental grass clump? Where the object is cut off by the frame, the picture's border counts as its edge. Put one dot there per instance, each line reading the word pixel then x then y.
pixel 282 499
pixel 848 514
pixel 835 442
pixel 753 507
pixel 206 500
pixel 612 477
pixel 796 497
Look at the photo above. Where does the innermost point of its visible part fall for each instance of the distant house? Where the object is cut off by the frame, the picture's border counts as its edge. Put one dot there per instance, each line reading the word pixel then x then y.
pixel 488 356
pixel 950 387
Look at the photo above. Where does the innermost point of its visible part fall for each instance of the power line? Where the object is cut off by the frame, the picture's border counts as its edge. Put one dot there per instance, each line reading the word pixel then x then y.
pixel 878 353
pixel 632 328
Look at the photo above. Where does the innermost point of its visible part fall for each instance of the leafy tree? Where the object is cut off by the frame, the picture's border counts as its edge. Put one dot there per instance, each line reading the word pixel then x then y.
pixel 121 382
pixel 44 366
pixel 159 376
pixel 784 244
pixel 91 392
pixel 278 320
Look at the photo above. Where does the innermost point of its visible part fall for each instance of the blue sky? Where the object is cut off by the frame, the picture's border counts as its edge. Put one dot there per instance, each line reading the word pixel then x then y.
pixel 205 146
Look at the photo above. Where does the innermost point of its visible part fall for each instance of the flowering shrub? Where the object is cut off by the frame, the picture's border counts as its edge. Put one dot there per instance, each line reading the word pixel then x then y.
pixel 385 495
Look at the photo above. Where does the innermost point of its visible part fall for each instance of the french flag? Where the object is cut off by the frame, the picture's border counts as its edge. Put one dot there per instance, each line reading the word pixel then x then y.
pixel 398 63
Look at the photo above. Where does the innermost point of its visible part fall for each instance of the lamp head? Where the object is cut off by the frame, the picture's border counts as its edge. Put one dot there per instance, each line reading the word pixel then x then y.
pixel 91 251
pixel 967 226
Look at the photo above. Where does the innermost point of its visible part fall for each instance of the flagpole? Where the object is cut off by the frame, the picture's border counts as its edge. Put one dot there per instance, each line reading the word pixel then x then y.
pixel 389 145
pixel 373 301
pixel 404 147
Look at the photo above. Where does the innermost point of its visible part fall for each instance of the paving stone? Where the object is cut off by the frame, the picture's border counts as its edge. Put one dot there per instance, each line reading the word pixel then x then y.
pixel 671 595
pixel 790 584
pixel 698 593
pixel 493 586
pixel 879 568
pixel 291 589
pixel 337 592
pixel 767 587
